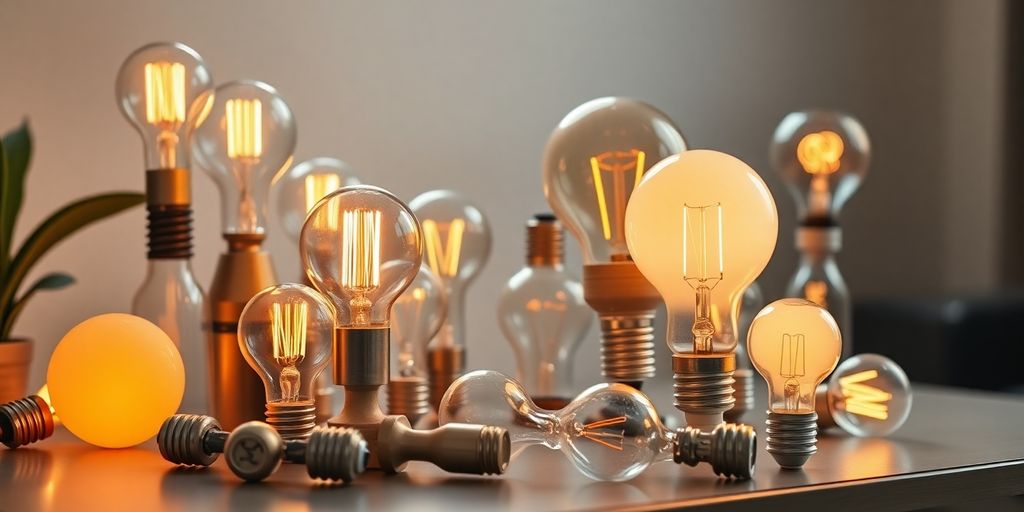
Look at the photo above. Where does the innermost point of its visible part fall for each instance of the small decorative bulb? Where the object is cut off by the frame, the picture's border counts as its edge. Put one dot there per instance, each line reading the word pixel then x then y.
pixel 868 395
pixel 794 344
pixel 609 432
pixel 298 190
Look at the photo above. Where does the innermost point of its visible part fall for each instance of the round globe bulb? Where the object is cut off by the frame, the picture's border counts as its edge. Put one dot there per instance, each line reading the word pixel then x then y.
pixel 869 395
pixel 114 379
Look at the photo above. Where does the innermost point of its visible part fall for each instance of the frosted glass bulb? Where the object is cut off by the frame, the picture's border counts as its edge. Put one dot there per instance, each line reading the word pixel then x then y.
pixel 298 190
pixel 416 317
pixel 609 432
pixel 243 137
pixel 868 395
pixel 822 155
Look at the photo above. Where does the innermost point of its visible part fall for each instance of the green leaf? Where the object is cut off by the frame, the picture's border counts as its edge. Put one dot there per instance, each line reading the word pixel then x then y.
pixel 56 228
pixel 15 154
pixel 51 281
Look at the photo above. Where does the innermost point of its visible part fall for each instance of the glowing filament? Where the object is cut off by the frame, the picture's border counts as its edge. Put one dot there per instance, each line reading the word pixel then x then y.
pixel 596 432
pixel 244 129
pixel 165 93
pixel 288 330
pixel 444 257
pixel 863 399
pixel 318 186
pixel 617 163
pixel 792 365
pixel 820 152
pixel 360 249
pixel 703 255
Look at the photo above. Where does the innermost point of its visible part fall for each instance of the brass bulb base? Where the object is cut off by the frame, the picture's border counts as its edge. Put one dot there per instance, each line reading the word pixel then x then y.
pixel 543 241
pixel 455 447
pixel 25 421
pixel 445 364
pixel 169 214
pixel 743 392
pixel 704 387
pixel 293 420
pixel 730 448
pixel 625 302
pixel 792 438
pixel 409 396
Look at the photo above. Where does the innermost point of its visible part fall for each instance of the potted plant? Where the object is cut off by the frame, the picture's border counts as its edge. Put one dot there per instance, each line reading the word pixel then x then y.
pixel 15 264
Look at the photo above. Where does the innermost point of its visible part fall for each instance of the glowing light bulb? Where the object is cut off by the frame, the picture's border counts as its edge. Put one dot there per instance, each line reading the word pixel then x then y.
pixel 97 374
pixel 743 392
pixel 285 333
pixel 417 317
pixel 304 185
pixel 701 227
pixel 594 160
pixel 868 395
pixel 609 432
pixel 243 137
pixel 457 243
pixel 794 344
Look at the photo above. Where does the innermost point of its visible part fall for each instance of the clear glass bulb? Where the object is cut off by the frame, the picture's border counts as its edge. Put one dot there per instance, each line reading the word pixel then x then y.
pixel 794 344
pixel 593 162
pixel 361 247
pixel 243 137
pixel 869 395
pixel 298 190
pixel 609 432
pixel 822 155
pixel 457 243
pixel 285 333
pixel 818 280
pixel 156 88
pixel 417 317
pixel 753 301
pixel 544 317
pixel 701 227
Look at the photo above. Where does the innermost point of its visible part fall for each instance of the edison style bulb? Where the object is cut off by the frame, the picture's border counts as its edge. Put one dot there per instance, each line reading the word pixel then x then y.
pixel 305 184
pixel 593 162
pixel 244 136
pixel 743 388
pixel 868 395
pixel 156 87
pixel 418 315
pixel 794 344
pixel 285 333
pixel 609 432
pixel 543 315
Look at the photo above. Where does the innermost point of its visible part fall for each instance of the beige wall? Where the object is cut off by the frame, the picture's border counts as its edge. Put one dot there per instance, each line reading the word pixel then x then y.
pixel 463 95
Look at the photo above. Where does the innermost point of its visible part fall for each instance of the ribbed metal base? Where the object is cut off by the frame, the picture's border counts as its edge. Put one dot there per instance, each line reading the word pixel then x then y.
pixel 334 453
pixel 293 420
pixel 181 439
pixel 792 438
pixel 743 392
pixel 730 448
pixel 25 421
pixel 495 450
pixel 409 397
pixel 627 348
pixel 703 387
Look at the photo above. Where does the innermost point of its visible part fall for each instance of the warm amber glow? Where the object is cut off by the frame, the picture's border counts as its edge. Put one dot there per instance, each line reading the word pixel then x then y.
pixel 44 393
pixel 165 93
pixel 703 256
pixel 863 399
pixel 443 257
pixel 288 327
pixel 820 152
pixel 360 249
pixel 598 432
pixel 817 292
pixel 318 186
pixel 617 163
pixel 244 128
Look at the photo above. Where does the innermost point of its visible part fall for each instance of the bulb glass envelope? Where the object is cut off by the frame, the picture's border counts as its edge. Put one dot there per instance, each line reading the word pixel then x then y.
pixel 869 395
pixel 593 162
pixel 701 216
pixel 361 247
pixel 417 316
pixel 244 136
pixel 299 189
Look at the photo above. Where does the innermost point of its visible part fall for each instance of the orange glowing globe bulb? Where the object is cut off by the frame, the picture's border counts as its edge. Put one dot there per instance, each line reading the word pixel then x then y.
pixel 114 379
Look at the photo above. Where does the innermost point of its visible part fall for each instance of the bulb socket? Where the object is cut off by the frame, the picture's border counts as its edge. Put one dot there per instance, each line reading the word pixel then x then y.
pixel 743 392
pixel 409 396
pixel 543 240
pixel 292 420
pixel 336 454
pixel 792 438
pixel 730 448
pixel 362 356
pixel 704 387
pixel 188 440
pixel 25 421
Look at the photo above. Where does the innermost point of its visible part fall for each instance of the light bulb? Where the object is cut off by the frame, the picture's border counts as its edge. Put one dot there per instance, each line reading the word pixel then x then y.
pixel 609 432
pixel 456 245
pixel 156 88
pixel 244 136
pixel 794 344
pixel 417 317
pixel 743 392
pixel 298 190
pixel 285 333
pixel 701 227
pixel 544 317
pixel 593 162
pixel 868 395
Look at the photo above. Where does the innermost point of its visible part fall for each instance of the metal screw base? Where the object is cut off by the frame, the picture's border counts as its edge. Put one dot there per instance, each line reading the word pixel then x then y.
pixel 455 447
pixel 627 348
pixel 293 420
pixel 792 438
pixel 334 453
pixel 185 439
pixel 409 397
pixel 743 392
pixel 25 421
pixel 730 448
pixel 703 387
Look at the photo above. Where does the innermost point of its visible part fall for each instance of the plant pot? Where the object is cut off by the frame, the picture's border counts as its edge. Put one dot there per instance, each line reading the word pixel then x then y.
pixel 15 357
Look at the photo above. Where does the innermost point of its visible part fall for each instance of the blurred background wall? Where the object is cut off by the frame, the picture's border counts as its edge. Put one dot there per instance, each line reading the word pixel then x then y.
pixel 463 95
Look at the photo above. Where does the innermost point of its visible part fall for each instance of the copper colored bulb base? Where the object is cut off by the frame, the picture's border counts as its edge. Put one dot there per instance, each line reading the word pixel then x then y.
pixel 25 421
pixel 823 408
pixel 455 447
pixel 409 397
pixel 293 420
pixel 743 392
pixel 730 448
pixel 625 302
pixel 445 364
pixel 169 213
pixel 792 438
pixel 704 387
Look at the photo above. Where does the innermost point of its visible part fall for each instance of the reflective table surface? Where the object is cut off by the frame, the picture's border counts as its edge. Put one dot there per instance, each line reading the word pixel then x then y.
pixel 956 446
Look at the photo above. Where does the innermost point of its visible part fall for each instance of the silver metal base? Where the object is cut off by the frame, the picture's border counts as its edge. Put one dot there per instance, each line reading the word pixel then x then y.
pixel 336 454
pixel 182 439
pixel 792 438
pixel 730 448
pixel 703 387
pixel 293 420
pixel 627 348
pixel 743 392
